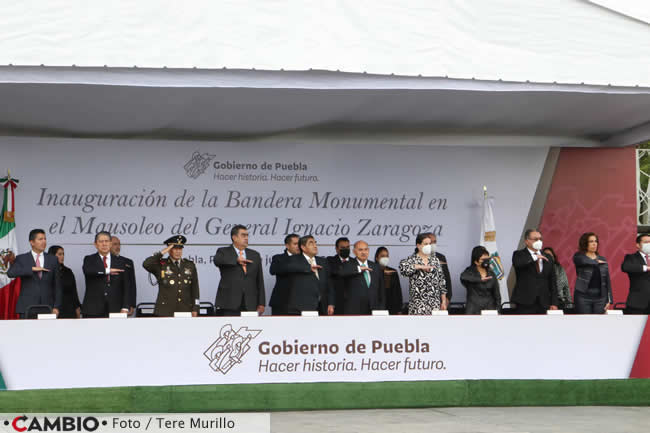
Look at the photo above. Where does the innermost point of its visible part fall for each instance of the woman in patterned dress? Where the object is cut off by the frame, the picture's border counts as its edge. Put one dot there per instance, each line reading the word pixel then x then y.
pixel 427 291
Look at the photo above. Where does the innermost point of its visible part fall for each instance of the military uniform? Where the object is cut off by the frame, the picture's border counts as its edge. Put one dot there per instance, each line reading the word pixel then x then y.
pixel 178 285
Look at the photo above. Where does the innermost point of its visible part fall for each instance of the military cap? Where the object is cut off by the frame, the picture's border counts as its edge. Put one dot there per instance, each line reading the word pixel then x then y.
pixel 178 241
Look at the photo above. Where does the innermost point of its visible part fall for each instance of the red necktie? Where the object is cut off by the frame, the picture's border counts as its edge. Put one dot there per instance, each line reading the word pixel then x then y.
pixel 108 275
pixel 38 265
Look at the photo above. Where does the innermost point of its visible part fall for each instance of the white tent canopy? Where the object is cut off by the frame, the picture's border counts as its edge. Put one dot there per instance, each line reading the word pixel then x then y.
pixel 558 72
pixel 565 41
pixel 257 105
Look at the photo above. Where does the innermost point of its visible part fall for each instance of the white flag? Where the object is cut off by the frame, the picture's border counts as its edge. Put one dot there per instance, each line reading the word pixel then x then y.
pixel 489 241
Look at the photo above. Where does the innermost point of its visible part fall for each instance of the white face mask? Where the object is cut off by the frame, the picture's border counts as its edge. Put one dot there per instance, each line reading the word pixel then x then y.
pixel 427 249
pixel 645 248
pixel 383 261
pixel 537 245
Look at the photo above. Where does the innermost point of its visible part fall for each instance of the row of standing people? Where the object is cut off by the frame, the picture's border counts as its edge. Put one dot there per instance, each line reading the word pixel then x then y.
pixel 304 281
pixel 335 285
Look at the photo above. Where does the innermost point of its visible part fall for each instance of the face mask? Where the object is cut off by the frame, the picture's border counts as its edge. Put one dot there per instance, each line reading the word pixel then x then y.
pixel 383 261
pixel 427 249
pixel 344 252
pixel 485 264
pixel 537 245
pixel 645 248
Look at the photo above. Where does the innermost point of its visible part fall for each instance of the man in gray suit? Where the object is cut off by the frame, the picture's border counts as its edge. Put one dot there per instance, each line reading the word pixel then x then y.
pixel 39 276
pixel 241 287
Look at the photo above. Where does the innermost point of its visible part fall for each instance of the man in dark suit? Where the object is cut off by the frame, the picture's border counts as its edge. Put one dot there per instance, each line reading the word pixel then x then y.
pixel 310 285
pixel 443 263
pixel 279 302
pixel 116 249
pixel 336 262
pixel 241 287
pixel 536 289
pixel 39 276
pixel 637 267
pixel 107 283
pixel 363 282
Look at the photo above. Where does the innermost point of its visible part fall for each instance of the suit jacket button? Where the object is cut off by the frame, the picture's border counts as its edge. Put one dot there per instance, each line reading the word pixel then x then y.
pixel 179 299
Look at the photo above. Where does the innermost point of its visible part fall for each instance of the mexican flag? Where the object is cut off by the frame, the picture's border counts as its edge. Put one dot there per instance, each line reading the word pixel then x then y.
pixel 9 288
pixel 489 241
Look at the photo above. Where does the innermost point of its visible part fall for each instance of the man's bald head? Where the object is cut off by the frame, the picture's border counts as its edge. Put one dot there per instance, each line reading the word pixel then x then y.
pixel 361 250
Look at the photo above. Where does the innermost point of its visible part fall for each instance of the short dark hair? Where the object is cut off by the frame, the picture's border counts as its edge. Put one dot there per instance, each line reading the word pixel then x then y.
pixel 529 231
pixel 54 249
pixel 421 237
pixel 288 238
pixel 379 251
pixel 583 242
pixel 339 240
pixel 641 236
pixel 303 240
pixel 555 259
pixel 478 252
pixel 102 233
pixel 236 229
pixel 34 232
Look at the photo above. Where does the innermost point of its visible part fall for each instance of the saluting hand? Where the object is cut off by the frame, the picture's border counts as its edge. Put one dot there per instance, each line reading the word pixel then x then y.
pixel 115 271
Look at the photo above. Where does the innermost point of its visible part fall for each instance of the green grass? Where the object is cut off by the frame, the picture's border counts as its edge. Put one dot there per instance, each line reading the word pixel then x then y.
pixel 323 396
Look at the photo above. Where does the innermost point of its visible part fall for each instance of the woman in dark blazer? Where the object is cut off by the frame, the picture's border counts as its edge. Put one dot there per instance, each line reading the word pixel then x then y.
pixel 390 284
pixel 593 288
pixel 70 305
pixel 481 283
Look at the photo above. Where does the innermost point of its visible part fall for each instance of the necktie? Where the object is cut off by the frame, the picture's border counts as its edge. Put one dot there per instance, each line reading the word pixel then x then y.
pixel 366 275
pixel 539 263
pixel 313 263
pixel 38 265
pixel 647 260
pixel 108 274
pixel 241 255
pixel 178 265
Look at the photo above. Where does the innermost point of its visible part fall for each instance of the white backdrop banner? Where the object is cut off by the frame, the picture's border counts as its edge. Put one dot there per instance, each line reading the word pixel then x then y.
pixel 145 191
pixel 128 352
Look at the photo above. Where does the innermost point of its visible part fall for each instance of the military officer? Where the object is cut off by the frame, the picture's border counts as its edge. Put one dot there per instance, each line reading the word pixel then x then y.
pixel 178 283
